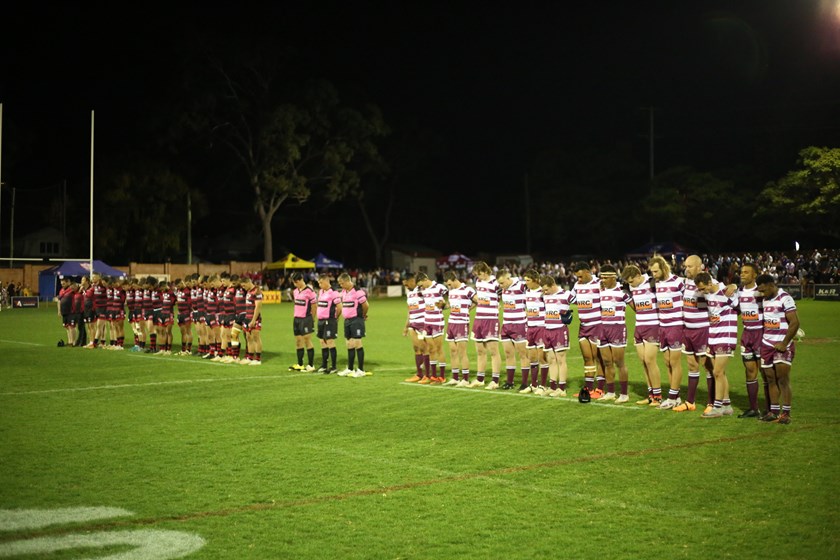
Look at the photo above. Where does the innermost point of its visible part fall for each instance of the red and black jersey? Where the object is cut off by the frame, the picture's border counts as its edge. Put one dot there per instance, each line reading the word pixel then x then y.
pixel 239 300
pixel 129 299
pixel 100 297
pixel 227 304
pixel 167 301
pixel 211 302
pixel 251 298
pixel 183 296
pixel 88 294
pixel 78 302
pixel 155 299
pixel 116 299
pixel 197 294
pixel 147 300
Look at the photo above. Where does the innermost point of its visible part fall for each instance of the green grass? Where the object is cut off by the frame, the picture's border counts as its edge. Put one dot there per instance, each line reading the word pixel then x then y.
pixel 266 463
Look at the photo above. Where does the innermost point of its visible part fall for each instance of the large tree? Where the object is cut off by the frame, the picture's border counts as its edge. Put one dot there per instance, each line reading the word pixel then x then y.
pixel 290 141
pixel 807 199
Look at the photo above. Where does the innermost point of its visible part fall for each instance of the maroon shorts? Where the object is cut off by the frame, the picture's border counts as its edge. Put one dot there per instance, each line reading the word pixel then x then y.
pixel 556 339
pixel 751 344
pixel 419 328
pixel 646 333
pixel 770 356
pixel 486 330
pixel 716 350
pixel 696 341
pixel 433 331
pixel 458 332
pixel 614 336
pixel 592 333
pixel 671 338
pixel 534 336
pixel 257 325
pixel 515 333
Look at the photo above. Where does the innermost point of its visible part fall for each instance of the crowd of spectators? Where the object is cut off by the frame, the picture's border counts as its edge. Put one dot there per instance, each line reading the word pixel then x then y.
pixel 806 269
pixel 10 290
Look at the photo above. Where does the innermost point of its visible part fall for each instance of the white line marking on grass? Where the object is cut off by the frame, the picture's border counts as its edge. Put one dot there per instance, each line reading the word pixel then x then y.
pixel 153 384
pixel 21 342
pixel 200 361
pixel 17 519
pixel 147 544
pixel 515 393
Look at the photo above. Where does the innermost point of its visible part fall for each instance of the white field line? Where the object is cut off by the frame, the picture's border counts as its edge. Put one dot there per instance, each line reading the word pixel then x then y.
pixel 515 393
pixel 21 342
pixel 161 383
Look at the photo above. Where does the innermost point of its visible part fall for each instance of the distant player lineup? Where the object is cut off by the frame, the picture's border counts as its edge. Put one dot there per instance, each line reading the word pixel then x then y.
pixel 523 319
pixel 692 316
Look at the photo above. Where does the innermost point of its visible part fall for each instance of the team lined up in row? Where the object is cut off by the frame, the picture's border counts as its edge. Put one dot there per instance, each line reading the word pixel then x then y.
pixel 221 307
pixel 693 316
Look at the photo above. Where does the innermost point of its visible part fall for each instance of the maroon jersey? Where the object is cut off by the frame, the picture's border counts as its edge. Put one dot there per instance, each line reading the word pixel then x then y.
pixel 167 301
pixel 211 302
pixel 239 300
pixel 198 299
pixel 226 303
pixel 251 298
pixel 154 295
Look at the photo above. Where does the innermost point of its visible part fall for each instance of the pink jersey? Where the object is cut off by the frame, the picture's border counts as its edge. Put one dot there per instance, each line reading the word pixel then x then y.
pixel 587 297
pixel 328 301
pixel 613 305
pixel 750 310
pixel 723 319
pixel 431 296
pixel 351 302
pixel 303 302
pixel 513 303
pixel 556 305
pixel 535 308
pixel 487 299
pixel 775 318
pixel 644 303
pixel 460 302
pixel 669 301
pixel 414 299
pixel 695 312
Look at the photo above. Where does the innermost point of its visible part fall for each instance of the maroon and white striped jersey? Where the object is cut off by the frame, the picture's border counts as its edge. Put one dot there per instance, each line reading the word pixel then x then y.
pixel 587 297
pixel 644 303
pixel 669 302
pixel 775 319
pixel 416 311
pixel 751 316
pixel 487 299
pixel 556 305
pixel 723 319
pixel 431 296
pixel 614 305
pixel 513 303
pixel 695 312
pixel 460 301
pixel 535 308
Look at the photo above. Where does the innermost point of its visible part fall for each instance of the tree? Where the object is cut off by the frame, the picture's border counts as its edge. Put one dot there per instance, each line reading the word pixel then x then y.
pixel 290 142
pixel 806 199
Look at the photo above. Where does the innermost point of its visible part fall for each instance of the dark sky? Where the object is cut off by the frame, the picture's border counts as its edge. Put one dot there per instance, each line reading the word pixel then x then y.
pixel 497 82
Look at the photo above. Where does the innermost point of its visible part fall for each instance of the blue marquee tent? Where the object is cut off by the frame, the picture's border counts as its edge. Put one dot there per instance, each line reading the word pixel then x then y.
pixel 48 279
pixel 323 261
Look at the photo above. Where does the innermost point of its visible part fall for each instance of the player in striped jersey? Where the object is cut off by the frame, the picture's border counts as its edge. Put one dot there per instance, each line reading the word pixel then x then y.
pixel 461 298
pixel 535 313
pixel 415 327
pixel 614 302
pixel 646 333
pixel 753 323
pixel 586 294
pixel 514 327
pixel 669 290
pixel 486 325
pixel 781 323
pixel 723 336
pixel 434 302
pixel 555 336
pixel 695 337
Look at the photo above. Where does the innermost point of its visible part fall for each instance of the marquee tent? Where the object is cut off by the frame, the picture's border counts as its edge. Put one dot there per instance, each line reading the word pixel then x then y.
pixel 48 279
pixel 290 261
pixel 323 261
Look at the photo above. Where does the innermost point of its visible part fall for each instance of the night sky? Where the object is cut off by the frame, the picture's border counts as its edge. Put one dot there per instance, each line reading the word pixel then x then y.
pixel 489 85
